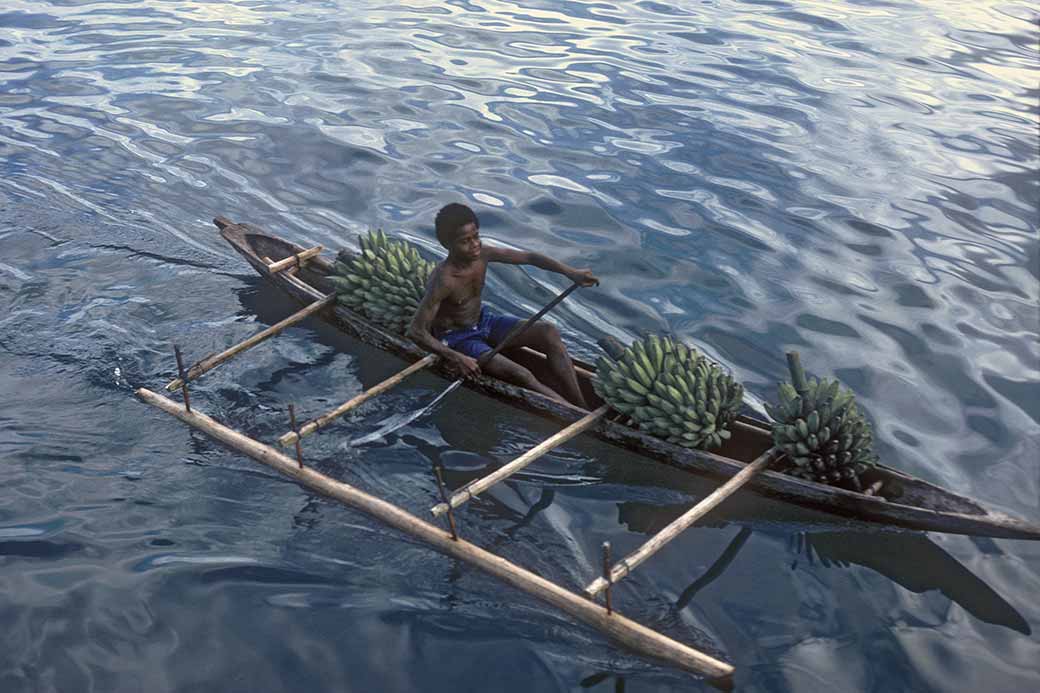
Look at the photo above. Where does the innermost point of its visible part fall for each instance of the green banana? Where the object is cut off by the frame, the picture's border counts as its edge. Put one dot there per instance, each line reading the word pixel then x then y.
pixel 671 391
pixel 824 435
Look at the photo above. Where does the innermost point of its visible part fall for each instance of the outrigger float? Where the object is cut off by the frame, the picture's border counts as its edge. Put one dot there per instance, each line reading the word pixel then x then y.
pixel 891 498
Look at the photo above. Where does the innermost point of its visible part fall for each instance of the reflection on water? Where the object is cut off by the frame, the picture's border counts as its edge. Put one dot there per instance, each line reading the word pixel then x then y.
pixel 931 569
pixel 853 180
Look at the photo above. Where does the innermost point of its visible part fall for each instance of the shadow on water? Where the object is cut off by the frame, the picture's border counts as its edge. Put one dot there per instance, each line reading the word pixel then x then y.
pixel 912 561
pixel 39 549
pixel 596 679
pixel 917 564
pixel 270 305
pixel 715 571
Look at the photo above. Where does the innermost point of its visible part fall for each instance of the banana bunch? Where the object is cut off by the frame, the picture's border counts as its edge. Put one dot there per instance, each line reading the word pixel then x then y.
pixel 817 424
pixel 671 391
pixel 384 282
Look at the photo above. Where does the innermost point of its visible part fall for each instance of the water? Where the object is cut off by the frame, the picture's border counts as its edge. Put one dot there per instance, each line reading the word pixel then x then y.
pixel 855 180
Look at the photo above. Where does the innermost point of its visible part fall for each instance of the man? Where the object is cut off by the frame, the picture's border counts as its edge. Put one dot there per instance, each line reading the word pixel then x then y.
pixel 452 322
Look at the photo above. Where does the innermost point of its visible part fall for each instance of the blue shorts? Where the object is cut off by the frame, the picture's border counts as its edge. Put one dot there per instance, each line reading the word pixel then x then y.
pixel 475 341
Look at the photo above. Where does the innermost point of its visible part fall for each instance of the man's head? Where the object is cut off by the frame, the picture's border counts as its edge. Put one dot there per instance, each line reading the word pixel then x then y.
pixel 457 229
pixel 450 219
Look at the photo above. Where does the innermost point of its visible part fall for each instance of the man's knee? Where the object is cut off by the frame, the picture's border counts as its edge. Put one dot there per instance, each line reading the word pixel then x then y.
pixel 519 375
pixel 524 377
pixel 551 336
pixel 511 371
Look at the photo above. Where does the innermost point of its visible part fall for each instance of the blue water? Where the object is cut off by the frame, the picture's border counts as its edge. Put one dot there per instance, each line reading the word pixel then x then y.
pixel 855 180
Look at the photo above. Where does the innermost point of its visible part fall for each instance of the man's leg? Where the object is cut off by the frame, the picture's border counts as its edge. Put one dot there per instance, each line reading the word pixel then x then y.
pixel 506 369
pixel 545 338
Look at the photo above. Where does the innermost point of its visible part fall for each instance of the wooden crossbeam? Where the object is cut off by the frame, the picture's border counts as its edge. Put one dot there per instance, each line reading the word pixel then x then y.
pixel 659 540
pixel 623 630
pixel 542 357
pixel 324 420
pixel 214 360
pixel 294 260
pixel 473 489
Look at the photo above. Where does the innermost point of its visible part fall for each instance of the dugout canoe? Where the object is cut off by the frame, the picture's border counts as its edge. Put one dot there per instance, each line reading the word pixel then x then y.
pixel 904 501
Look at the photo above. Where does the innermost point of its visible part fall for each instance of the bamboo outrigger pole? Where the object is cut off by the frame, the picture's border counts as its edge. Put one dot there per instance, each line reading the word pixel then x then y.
pixel 472 490
pixel 637 637
pixel 627 564
pixel 214 360
pixel 325 419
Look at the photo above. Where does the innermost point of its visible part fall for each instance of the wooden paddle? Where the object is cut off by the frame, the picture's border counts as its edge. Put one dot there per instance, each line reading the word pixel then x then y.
pixel 521 327
pixel 399 422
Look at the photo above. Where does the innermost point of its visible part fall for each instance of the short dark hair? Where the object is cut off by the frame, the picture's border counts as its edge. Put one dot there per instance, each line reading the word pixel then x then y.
pixel 451 218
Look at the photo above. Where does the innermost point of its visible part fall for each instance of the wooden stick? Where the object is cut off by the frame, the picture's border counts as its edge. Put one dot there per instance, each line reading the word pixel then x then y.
pixel 292 422
pixel 472 490
pixel 658 541
pixel 522 326
pixel 623 630
pixel 294 260
pixel 584 372
pixel 213 360
pixel 180 372
pixel 324 420
pixel 444 497
pixel 746 427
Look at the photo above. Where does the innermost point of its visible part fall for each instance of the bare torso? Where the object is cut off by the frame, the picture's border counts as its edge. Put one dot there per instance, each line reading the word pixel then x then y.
pixel 464 286
pixel 452 302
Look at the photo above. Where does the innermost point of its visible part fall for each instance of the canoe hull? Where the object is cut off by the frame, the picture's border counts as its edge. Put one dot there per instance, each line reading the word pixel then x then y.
pixel 912 503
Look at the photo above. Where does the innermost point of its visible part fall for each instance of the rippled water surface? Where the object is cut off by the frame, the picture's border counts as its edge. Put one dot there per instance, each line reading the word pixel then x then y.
pixel 856 180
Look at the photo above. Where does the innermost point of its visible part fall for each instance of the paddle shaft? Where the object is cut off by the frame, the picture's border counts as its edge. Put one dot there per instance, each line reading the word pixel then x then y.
pixel 521 327
pixel 518 330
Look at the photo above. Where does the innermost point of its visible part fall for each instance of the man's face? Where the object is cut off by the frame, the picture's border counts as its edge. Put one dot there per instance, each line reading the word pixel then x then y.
pixel 466 243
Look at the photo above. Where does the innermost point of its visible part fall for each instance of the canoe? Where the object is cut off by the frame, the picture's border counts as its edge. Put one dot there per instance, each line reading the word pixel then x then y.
pixel 903 501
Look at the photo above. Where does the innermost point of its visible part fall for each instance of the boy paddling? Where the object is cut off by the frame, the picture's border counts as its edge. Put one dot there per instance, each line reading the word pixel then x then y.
pixel 452 322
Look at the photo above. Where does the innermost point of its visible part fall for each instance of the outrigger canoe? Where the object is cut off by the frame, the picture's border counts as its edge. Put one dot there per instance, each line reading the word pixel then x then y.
pixel 901 500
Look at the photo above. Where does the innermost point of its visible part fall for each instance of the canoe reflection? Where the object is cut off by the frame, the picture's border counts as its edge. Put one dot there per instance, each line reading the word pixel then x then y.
pixel 911 560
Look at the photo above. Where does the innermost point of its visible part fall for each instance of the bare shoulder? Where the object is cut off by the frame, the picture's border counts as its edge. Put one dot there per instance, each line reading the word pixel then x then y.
pixel 440 282
pixel 491 253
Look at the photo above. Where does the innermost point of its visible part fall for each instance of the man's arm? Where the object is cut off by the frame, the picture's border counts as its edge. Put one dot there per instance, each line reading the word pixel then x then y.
pixel 419 329
pixel 584 277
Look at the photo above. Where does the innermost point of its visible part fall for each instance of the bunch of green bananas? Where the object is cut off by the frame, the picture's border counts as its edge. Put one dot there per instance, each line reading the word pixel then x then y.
pixel 384 282
pixel 817 424
pixel 671 391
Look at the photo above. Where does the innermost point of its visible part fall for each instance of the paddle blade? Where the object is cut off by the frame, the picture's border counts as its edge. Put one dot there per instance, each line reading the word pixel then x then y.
pixel 399 421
